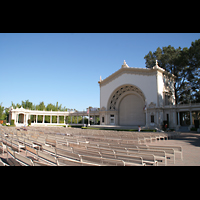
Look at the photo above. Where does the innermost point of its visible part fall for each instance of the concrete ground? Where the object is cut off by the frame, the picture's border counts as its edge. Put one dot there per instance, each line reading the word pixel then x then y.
pixel 190 143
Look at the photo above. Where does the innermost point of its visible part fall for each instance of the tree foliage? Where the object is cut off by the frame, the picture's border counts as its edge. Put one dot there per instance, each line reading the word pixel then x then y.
pixel 1 112
pixel 185 65
pixel 4 112
pixel 41 106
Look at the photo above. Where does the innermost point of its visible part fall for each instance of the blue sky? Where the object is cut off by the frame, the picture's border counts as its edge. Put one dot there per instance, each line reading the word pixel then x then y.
pixel 66 67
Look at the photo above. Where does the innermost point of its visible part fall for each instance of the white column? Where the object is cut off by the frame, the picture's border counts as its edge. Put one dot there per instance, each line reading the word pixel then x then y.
pixel 89 120
pixel 71 119
pixel 24 119
pixel 17 118
pixel 157 118
pixel 146 111
pixel 36 118
pixel 174 119
pixel 146 118
pixel 77 119
pixel 43 119
pixel 50 118
pixel 178 118
pixel 57 119
pixel 191 118
pixel 27 117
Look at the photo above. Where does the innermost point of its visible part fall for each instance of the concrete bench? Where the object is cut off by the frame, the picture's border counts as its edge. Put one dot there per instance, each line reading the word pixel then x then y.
pixel 77 146
pixel 169 152
pixel 51 142
pixel 60 141
pixel 30 143
pixel 65 162
pixel 67 154
pixel 31 150
pixel 108 153
pixel 37 163
pixel 23 159
pixel 163 136
pixel 112 162
pixel 87 152
pixel 39 141
pixel 101 161
pixel 7 142
pixel 127 155
pixel 63 146
pixel 130 159
pixel 10 151
pixel 147 158
pixel 3 163
pixel 91 159
pixel 3 146
pixel 47 157
pixel 49 149
pixel 12 161
pixel 159 155
pixel 177 149
pixel 18 144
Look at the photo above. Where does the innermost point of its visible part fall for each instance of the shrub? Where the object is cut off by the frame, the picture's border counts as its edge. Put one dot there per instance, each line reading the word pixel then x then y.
pixel 193 129
pixel 29 122
pixel 12 122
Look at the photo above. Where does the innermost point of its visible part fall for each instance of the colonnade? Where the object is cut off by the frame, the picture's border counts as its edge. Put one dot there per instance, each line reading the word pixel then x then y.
pixel 21 116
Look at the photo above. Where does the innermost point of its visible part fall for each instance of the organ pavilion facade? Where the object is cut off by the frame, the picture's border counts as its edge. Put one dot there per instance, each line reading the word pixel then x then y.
pixel 138 96
pixel 128 97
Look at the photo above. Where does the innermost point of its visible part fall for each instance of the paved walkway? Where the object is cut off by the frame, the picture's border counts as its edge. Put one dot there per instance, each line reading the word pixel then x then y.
pixel 190 143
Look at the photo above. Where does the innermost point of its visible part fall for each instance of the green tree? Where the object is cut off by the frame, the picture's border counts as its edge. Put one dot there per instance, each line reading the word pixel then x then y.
pixel 1 112
pixel 4 113
pixel 50 107
pixel 27 105
pixel 194 70
pixel 184 64
pixel 41 106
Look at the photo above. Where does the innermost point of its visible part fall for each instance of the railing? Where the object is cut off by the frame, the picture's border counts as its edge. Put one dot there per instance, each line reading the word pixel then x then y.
pixel 191 105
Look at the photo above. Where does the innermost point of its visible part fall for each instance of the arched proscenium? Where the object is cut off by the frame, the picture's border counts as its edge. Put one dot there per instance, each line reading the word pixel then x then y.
pixel 122 89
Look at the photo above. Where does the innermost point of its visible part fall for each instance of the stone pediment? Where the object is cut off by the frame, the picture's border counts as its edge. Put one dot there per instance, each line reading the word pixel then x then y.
pixel 125 69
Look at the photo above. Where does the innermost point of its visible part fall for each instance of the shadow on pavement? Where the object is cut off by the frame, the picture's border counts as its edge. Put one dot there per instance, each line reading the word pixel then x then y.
pixel 192 138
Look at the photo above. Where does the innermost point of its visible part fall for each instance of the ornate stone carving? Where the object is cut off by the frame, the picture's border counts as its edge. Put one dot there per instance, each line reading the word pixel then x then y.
pixel 152 105
pixel 103 108
pixel 128 70
pixel 120 91
pixel 125 65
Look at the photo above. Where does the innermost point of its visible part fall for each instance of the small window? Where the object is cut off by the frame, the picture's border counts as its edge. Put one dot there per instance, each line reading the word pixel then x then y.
pixel 102 119
pixel 111 115
pixel 152 118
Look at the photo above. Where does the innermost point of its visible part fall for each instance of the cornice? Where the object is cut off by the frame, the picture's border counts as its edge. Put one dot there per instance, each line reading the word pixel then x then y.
pixel 125 69
pixel 130 70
